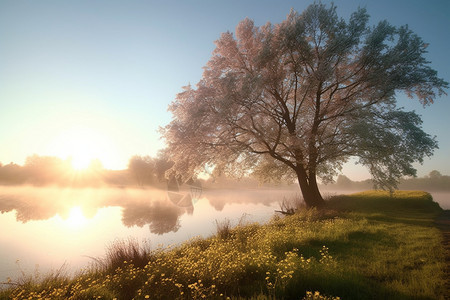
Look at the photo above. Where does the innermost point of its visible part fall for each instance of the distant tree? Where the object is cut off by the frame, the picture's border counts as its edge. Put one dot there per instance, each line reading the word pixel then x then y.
pixel 343 181
pixel 303 96
pixel 142 168
pixel 435 174
pixel 12 174
pixel 434 181
pixel 46 169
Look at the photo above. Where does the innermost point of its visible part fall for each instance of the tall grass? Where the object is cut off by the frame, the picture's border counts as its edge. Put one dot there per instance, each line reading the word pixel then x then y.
pixel 121 252
pixel 223 229
pixel 290 205
pixel 363 246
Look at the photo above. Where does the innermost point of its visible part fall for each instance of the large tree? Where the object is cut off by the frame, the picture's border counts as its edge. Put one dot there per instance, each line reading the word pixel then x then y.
pixel 303 96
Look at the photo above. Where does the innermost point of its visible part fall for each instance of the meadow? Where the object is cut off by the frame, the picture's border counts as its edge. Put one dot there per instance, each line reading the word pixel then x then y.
pixel 369 245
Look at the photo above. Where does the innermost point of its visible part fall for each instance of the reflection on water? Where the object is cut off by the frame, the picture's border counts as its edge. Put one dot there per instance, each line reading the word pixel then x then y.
pixel 161 216
pixel 76 217
pixel 139 207
pixel 53 226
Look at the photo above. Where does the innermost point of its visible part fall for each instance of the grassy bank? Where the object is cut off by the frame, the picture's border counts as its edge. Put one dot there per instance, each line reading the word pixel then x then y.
pixel 362 246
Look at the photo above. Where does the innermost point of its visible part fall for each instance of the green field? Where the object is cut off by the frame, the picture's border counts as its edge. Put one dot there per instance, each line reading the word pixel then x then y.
pixel 370 245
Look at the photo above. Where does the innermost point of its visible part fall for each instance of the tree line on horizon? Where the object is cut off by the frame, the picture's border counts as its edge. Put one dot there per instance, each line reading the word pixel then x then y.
pixel 147 171
pixel 142 171
pixel 50 170
pixel 434 181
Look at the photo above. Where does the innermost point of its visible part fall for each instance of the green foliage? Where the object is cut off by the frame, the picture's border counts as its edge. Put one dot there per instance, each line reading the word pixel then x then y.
pixel 370 245
pixel 389 142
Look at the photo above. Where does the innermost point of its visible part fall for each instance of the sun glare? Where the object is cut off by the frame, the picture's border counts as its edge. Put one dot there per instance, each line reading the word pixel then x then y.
pixel 84 145
pixel 81 159
pixel 76 217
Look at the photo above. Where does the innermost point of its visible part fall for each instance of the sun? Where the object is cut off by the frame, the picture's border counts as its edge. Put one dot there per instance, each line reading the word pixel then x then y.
pixel 81 146
pixel 79 161
pixel 82 158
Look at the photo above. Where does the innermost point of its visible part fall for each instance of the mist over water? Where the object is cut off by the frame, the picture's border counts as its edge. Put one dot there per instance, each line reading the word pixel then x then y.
pixel 51 226
pixel 443 198
pixel 44 228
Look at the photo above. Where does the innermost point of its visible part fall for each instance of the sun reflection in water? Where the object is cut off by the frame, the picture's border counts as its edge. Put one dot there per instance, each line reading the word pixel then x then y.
pixel 76 218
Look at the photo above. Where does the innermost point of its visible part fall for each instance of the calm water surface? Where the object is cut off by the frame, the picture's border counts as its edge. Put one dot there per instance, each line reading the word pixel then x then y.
pixel 41 229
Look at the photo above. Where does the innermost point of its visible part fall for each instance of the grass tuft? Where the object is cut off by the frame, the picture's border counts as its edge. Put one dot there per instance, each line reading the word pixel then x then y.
pixel 121 253
pixel 223 229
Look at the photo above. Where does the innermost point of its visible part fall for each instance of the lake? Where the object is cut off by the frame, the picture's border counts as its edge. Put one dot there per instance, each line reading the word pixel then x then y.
pixel 44 228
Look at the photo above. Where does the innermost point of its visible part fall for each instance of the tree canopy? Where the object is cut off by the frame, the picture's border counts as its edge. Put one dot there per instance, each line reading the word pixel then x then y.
pixel 301 97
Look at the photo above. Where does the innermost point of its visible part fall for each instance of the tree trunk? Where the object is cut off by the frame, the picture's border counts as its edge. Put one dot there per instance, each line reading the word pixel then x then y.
pixel 315 190
pixel 309 188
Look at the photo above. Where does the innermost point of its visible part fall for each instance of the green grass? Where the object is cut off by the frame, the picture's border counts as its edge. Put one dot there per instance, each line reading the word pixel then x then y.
pixel 369 245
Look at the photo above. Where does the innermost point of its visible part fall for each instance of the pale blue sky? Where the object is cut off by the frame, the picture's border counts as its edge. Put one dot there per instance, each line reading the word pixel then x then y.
pixel 104 72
